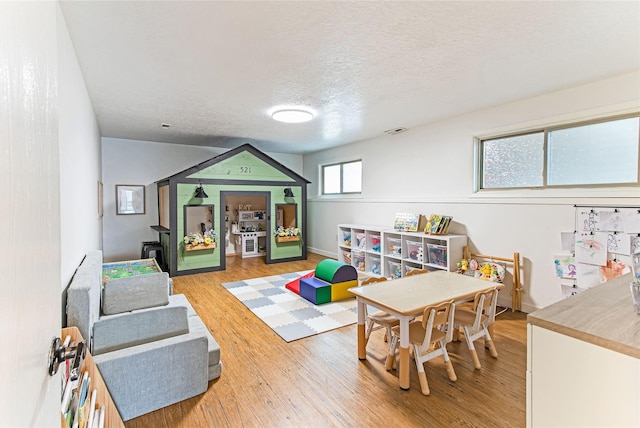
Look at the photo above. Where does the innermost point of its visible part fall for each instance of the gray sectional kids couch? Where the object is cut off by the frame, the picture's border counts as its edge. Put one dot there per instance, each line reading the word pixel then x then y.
pixel 150 346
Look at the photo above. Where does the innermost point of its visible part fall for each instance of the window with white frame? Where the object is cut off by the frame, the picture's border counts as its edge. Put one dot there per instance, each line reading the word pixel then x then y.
pixel 604 152
pixel 342 178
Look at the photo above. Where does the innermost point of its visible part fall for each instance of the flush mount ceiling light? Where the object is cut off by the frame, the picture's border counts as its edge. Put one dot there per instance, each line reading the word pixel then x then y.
pixel 292 115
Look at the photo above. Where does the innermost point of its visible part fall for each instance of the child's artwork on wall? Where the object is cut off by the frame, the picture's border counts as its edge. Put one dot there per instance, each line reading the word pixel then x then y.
pixel 565 266
pixel 612 270
pixel 632 222
pixel 635 267
pixel 635 244
pixel 611 221
pixel 591 248
pixel 587 276
pixel 589 220
pixel 619 243
pixel 570 290
pixel 568 241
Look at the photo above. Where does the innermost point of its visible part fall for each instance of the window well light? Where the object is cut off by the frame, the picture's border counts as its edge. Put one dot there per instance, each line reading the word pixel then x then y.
pixel 292 115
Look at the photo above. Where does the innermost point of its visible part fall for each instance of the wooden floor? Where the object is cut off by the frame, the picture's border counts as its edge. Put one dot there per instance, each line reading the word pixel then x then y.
pixel 319 381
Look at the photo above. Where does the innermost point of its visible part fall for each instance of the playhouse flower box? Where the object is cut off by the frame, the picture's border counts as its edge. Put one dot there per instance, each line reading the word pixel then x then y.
pixel 287 238
pixel 194 247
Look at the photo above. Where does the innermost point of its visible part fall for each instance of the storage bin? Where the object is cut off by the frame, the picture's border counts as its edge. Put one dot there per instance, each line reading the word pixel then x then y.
pixel 394 247
pixel 374 243
pixel 346 238
pixel 360 241
pixel 359 260
pixel 415 250
pixel 346 257
pixel 374 265
pixel 437 254
pixel 395 270
pixel 408 269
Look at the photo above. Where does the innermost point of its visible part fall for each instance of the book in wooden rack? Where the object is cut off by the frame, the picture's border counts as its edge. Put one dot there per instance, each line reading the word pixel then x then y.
pixel 111 415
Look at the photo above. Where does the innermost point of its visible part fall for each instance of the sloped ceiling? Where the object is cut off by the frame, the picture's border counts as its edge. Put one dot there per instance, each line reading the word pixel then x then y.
pixel 214 70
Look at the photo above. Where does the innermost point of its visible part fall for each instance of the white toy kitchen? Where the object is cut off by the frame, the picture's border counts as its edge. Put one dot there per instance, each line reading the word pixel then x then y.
pixel 250 233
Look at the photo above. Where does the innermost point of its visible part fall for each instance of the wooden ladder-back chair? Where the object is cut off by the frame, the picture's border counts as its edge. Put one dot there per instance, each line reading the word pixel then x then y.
pixel 434 328
pixel 379 319
pixel 516 287
pixel 476 322
pixel 416 272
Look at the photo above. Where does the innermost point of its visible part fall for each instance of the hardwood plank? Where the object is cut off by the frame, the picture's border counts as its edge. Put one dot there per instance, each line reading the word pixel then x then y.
pixel 319 381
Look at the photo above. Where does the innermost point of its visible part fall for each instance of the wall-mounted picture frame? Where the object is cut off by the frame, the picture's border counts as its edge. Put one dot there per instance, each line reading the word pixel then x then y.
pixel 130 199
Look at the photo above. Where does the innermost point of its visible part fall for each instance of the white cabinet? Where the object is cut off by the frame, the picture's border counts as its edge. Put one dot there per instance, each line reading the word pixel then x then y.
pixel 381 251
pixel 583 360
pixel 573 383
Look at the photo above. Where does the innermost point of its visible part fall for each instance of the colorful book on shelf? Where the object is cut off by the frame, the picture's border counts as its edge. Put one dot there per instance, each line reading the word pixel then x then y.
pixel 407 222
pixel 438 224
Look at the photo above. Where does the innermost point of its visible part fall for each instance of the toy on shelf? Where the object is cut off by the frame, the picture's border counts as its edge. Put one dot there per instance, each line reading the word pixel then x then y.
pixel 359 262
pixel 395 270
pixel 437 254
pixel 360 241
pixel 375 244
pixel 463 266
pixel 375 269
pixel 413 248
pixel 346 240
pixel 395 247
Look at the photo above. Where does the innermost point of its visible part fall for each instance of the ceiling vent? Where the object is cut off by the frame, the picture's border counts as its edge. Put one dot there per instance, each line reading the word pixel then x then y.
pixel 395 131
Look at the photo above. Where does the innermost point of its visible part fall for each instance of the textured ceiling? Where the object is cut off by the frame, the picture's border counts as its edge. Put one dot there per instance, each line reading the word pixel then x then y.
pixel 214 70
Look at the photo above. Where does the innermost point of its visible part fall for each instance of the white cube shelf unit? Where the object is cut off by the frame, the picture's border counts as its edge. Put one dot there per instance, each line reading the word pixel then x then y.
pixel 360 246
pixel 386 252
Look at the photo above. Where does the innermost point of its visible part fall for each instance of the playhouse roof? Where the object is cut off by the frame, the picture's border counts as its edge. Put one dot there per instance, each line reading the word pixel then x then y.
pixel 233 152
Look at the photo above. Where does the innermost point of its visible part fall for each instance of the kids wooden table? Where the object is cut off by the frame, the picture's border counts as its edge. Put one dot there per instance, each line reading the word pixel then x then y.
pixel 406 298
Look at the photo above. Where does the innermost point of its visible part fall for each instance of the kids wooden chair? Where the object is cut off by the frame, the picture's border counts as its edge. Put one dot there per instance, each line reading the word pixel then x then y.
pixel 434 328
pixel 416 272
pixel 476 321
pixel 379 319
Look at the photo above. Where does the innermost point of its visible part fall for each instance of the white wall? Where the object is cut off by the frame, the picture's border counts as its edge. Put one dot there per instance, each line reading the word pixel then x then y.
pixel 144 163
pixel 80 161
pixel 429 169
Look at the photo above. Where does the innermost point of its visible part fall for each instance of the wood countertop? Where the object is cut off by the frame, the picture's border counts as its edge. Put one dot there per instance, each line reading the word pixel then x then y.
pixel 602 315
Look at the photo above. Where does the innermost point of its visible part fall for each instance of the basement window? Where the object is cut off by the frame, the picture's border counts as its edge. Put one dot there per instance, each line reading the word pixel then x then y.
pixel 342 178
pixel 602 152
